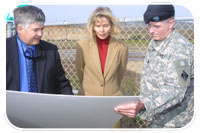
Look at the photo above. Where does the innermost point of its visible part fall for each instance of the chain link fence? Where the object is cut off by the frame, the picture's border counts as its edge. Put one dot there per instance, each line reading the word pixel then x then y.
pixel 134 32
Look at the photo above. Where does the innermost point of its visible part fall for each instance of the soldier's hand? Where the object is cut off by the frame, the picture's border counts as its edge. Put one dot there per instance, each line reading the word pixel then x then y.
pixel 130 109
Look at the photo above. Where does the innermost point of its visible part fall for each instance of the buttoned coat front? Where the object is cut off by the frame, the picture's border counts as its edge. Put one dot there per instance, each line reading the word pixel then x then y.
pixel 92 81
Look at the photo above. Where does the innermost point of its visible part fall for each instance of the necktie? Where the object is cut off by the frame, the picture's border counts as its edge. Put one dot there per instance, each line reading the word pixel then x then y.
pixel 31 71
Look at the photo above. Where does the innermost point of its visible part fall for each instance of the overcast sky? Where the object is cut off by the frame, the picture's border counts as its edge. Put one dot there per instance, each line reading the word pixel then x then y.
pixel 80 13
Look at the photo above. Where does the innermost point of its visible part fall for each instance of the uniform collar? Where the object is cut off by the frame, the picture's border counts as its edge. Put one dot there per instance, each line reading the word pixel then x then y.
pixel 160 46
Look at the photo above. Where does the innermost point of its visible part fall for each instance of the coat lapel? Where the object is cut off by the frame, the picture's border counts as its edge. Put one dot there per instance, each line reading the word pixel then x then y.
pixel 40 65
pixel 14 58
pixel 112 51
pixel 94 54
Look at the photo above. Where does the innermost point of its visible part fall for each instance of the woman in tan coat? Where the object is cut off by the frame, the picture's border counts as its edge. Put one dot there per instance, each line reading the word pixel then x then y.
pixel 101 60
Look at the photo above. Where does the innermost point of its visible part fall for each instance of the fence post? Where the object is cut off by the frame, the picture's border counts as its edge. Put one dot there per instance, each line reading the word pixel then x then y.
pixel 10 29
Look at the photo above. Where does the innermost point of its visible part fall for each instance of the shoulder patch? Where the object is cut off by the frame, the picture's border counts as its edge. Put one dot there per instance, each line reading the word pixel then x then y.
pixel 183 72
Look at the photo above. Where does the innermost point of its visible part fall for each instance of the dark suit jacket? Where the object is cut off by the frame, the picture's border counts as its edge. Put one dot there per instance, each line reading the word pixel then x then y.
pixel 50 74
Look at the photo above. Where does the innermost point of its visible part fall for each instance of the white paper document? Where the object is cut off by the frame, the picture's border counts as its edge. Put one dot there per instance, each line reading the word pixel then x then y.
pixel 34 110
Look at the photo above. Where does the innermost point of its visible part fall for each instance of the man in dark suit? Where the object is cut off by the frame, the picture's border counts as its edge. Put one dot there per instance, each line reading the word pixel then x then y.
pixel 41 72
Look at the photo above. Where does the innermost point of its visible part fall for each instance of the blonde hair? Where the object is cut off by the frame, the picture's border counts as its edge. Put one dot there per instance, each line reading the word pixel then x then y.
pixel 98 13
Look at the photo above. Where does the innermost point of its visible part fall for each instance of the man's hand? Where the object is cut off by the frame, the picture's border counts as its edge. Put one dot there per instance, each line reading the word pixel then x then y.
pixel 130 109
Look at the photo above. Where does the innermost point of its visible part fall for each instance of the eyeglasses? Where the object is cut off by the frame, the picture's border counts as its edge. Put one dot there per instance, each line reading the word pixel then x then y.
pixel 39 54
pixel 154 27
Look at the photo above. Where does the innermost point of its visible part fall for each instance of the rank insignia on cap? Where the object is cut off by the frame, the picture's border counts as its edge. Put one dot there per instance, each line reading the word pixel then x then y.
pixel 156 18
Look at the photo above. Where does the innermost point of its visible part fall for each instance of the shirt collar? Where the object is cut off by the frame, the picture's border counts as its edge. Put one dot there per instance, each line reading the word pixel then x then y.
pixel 24 45
pixel 103 41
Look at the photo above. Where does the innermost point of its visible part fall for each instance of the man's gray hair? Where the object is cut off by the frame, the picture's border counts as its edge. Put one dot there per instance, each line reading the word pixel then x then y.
pixel 27 15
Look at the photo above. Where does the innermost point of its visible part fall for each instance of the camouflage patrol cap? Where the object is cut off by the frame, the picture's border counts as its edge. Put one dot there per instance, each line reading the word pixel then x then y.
pixel 158 13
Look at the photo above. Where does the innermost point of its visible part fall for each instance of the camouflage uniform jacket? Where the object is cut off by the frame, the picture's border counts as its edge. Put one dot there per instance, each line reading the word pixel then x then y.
pixel 167 83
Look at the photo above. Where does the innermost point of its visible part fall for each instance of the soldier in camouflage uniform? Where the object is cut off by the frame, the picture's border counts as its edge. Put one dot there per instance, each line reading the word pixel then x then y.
pixel 167 84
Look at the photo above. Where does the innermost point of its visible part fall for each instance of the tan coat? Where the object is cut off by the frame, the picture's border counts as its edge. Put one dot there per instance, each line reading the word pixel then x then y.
pixel 93 82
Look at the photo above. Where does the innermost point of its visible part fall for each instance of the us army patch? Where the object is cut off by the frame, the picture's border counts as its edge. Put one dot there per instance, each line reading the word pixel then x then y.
pixel 183 72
